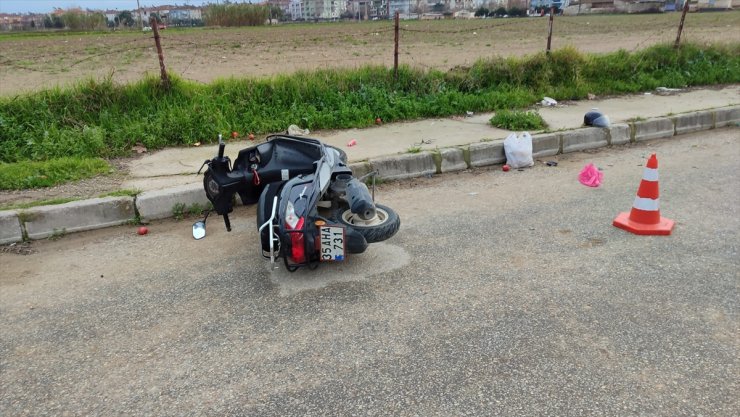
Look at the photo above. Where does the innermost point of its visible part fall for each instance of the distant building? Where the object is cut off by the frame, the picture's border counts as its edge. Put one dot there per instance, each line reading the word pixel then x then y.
pixel 317 9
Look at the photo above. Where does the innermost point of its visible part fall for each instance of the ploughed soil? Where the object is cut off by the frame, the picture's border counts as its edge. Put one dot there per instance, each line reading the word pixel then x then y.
pixel 43 59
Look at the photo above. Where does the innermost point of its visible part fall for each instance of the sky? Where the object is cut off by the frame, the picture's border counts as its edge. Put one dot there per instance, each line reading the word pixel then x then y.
pixel 46 6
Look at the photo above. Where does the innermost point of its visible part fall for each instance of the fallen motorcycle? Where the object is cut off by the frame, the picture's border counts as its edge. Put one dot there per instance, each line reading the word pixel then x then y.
pixel 310 207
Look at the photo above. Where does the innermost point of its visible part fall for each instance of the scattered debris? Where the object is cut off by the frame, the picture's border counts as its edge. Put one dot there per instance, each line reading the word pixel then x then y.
pixel 469 113
pixel 196 144
pixel 251 136
pixel 505 168
pixel 590 176
pixel 424 142
pixel 234 135
pixel 142 230
pixel 551 163
pixel 591 96
pixel 23 248
pixel 547 101
pixel 518 150
pixel 352 143
pixel 294 130
pixel 139 148
pixel 664 91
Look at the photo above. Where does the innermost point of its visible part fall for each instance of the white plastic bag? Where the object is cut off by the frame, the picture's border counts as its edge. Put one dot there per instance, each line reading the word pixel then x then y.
pixel 518 150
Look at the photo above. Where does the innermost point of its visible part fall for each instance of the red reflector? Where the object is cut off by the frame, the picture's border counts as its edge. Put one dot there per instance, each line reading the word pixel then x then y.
pixel 297 247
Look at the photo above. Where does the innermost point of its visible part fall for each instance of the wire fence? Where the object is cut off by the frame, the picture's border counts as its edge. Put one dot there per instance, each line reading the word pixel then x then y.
pixel 203 55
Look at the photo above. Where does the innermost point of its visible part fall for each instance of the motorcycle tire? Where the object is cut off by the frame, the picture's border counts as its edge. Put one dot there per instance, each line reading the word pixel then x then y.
pixel 384 225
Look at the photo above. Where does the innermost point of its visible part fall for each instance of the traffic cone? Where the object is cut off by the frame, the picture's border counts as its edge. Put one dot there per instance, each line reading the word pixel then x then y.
pixel 644 219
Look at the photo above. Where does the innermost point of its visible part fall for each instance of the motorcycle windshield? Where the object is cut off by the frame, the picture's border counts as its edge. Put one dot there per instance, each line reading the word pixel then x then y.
pixel 323 173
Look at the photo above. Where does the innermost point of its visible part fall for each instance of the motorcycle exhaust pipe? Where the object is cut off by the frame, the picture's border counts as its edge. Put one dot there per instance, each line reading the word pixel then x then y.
pixel 359 199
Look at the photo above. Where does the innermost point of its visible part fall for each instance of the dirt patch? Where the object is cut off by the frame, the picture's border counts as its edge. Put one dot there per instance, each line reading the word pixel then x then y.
pixel 87 188
pixel 205 54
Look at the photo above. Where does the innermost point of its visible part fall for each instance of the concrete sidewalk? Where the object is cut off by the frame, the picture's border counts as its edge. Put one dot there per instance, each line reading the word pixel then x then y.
pixel 177 166
pixel 167 178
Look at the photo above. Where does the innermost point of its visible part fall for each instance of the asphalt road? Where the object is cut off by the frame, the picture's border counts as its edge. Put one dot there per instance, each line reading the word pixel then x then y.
pixel 503 294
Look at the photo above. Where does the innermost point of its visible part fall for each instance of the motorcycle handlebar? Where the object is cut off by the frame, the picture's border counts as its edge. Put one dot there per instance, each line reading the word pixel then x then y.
pixel 221 146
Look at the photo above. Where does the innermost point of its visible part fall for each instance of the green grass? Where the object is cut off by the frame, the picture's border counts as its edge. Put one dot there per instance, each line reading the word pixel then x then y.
pixel 518 120
pixel 35 174
pixel 122 193
pixel 102 119
pixel 49 202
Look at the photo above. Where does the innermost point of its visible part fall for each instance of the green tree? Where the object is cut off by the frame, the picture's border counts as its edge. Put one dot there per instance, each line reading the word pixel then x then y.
pixel 438 7
pixel 276 13
pixel 125 18
pixel 482 11
pixel 517 12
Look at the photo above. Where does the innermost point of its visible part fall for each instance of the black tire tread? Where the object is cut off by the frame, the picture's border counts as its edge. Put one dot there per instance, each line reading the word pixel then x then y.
pixel 380 232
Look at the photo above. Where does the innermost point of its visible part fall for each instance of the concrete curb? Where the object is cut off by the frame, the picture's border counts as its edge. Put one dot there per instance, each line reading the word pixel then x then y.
pixel 43 222
pixel 619 134
pixel 451 160
pixel 727 116
pixel 586 138
pixel 10 227
pixel 404 166
pixel 486 153
pixel 77 216
pixel 160 204
pixel 694 122
pixel 653 129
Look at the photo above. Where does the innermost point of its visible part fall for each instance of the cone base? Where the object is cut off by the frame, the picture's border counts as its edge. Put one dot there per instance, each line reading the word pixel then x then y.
pixel 663 227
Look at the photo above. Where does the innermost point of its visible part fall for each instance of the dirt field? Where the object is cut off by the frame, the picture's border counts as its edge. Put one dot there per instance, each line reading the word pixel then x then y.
pixel 29 62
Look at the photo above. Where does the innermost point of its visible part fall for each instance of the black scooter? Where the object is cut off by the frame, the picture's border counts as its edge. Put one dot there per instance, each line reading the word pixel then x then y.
pixel 310 207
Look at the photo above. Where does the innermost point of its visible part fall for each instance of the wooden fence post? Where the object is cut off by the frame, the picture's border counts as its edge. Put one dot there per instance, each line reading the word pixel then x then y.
pixel 680 25
pixel 395 51
pixel 549 34
pixel 163 71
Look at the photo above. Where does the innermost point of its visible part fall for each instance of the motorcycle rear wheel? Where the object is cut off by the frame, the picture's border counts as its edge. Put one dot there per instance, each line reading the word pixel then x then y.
pixel 381 227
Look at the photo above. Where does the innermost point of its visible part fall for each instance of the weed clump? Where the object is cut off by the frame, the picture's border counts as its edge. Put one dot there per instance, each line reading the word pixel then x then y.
pixel 518 120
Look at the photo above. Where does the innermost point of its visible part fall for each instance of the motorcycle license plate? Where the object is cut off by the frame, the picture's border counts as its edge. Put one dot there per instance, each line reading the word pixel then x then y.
pixel 332 243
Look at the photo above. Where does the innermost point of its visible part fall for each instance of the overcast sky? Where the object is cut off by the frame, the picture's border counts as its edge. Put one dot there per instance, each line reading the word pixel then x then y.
pixel 45 6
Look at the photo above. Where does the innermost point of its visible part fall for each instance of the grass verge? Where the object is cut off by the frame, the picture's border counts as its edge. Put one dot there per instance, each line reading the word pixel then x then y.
pixel 99 118
pixel 49 202
pixel 35 174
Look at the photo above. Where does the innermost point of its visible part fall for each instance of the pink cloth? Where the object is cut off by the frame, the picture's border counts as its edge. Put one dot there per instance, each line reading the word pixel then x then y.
pixel 590 176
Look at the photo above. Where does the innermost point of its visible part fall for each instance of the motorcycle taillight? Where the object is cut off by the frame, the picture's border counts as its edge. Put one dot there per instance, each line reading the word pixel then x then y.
pixel 297 245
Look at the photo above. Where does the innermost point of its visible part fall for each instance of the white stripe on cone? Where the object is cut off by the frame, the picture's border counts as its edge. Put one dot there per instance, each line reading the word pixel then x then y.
pixel 647 204
pixel 650 174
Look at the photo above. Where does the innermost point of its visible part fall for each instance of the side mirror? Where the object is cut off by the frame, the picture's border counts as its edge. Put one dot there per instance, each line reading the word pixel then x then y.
pixel 199 230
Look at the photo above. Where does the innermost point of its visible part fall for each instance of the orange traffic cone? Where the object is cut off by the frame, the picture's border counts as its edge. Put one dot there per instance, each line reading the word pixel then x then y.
pixel 644 219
